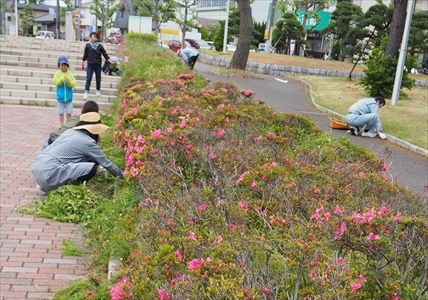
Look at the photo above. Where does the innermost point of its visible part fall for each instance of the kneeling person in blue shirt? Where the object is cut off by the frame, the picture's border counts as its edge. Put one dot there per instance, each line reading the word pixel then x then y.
pixel 365 114
pixel 190 56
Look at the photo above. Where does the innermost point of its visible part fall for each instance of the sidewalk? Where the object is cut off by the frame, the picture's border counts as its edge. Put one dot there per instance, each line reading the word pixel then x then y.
pixel 32 266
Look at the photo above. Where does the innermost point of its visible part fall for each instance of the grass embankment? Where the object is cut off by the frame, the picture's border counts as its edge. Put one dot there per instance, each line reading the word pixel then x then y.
pixel 408 120
pixel 223 198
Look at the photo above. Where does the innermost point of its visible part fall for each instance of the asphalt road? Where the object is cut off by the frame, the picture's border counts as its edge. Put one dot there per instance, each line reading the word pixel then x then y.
pixel 287 95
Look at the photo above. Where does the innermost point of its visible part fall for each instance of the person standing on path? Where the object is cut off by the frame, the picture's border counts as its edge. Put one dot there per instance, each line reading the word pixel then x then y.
pixel 93 51
pixel 65 82
pixel 365 113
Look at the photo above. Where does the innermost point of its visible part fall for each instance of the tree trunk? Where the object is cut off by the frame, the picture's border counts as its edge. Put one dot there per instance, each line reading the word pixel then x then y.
pixel 240 57
pixel 397 28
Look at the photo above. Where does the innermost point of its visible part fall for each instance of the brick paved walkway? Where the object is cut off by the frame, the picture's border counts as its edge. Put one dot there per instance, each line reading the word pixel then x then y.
pixel 32 266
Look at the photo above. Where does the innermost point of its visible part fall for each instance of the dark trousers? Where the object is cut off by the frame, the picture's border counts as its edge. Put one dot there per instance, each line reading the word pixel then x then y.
pixel 192 61
pixel 91 68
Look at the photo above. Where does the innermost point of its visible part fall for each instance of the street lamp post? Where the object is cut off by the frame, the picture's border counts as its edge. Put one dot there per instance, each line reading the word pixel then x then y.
pixel 225 27
pixel 403 51
pixel 16 18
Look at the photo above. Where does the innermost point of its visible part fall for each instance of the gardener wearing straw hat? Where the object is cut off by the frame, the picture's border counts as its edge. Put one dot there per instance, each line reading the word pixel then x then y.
pixel 74 156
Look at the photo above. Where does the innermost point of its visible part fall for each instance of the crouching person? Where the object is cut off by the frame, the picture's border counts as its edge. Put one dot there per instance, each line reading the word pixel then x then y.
pixel 190 56
pixel 74 157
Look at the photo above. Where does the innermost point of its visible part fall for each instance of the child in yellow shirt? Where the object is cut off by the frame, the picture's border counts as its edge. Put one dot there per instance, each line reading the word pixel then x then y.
pixel 65 82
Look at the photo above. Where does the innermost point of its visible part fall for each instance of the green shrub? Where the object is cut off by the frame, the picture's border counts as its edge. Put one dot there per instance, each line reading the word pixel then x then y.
pixel 380 74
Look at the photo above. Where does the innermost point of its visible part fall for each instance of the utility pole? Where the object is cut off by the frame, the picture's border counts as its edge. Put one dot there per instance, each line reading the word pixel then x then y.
pixel 272 16
pixel 58 22
pixel 403 51
pixel 16 18
pixel 226 25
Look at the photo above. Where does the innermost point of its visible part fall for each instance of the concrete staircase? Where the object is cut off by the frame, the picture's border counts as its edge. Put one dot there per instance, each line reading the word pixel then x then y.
pixel 27 66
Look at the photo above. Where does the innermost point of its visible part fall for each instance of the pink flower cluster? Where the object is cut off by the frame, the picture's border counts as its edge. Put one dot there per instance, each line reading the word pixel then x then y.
pixel 121 290
pixel 197 263
pixel 246 93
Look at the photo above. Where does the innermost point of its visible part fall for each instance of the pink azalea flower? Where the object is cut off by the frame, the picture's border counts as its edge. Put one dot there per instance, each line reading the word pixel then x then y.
pixel 270 135
pixel 258 139
pixel 397 217
pixel 178 255
pixel 361 175
pixel 337 210
pixel 195 264
pixel 192 236
pixel 90 294
pixel 264 178
pixel 219 239
pixel 243 205
pixel 253 184
pixel 361 279
pixel 156 134
pixel 202 207
pixel 163 295
pixel 134 172
pixel 395 297
pixel 169 129
pixel 232 226
pixel 355 286
pixel 372 236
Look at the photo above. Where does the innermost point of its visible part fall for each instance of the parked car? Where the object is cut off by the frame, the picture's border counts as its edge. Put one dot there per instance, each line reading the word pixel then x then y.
pixel 211 43
pixel 175 45
pixel 203 45
pixel 230 47
pixel 115 39
pixel 163 44
pixel 193 43
pixel 45 35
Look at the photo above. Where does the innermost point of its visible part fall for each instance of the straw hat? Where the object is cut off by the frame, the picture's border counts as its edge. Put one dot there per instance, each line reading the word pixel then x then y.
pixel 92 123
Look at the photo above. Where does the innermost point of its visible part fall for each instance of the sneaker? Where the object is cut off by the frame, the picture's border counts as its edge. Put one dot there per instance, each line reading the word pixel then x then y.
pixel 85 95
pixel 382 135
pixel 369 134
pixel 354 130
pixel 98 93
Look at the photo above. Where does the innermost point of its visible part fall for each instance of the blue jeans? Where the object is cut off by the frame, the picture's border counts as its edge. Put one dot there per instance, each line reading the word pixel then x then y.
pixel 90 69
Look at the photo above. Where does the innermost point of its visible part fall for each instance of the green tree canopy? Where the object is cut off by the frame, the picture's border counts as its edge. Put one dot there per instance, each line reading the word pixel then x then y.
pixel 418 38
pixel 27 20
pixel 160 10
pixel 104 11
pixel 287 29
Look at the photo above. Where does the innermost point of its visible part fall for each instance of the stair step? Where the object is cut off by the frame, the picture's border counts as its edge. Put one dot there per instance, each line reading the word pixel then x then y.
pixel 37 94
pixel 49 103
pixel 80 80
pixel 22 86
pixel 43 73
pixel 21 42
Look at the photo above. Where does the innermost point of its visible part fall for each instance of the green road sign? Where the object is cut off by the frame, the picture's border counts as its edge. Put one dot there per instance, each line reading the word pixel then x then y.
pixel 324 21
